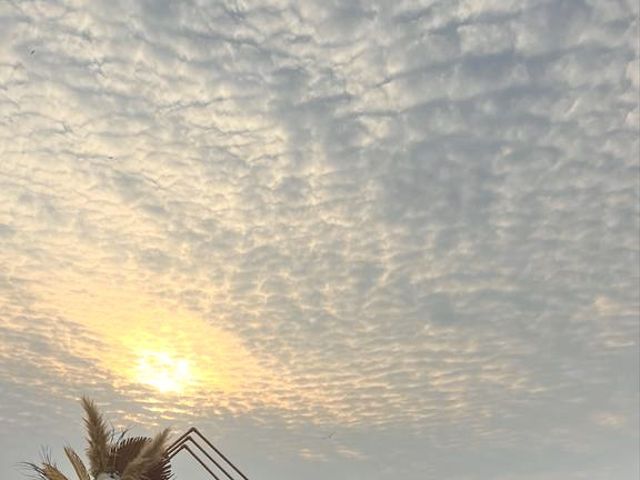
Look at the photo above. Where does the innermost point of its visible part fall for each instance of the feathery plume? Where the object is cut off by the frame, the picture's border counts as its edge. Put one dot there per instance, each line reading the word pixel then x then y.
pixel 52 472
pixel 99 448
pixel 47 471
pixel 78 465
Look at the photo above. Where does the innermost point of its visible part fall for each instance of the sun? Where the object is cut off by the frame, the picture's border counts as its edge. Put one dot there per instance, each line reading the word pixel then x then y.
pixel 164 372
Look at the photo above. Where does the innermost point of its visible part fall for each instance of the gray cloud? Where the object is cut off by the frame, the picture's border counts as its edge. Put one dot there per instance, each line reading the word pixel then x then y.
pixel 421 216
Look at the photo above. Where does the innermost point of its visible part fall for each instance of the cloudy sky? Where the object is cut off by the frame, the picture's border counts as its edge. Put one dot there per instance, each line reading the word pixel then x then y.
pixel 347 239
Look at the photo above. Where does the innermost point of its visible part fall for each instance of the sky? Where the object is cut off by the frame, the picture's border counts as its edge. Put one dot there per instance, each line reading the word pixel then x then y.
pixel 346 239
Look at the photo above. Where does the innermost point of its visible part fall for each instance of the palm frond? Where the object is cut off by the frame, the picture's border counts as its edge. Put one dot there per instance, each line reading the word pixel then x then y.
pixel 161 470
pixel 98 438
pixel 152 454
pixel 128 449
pixel 125 451
pixel 77 463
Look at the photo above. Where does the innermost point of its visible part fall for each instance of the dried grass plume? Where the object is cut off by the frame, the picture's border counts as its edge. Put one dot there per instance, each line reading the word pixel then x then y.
pixel 98 438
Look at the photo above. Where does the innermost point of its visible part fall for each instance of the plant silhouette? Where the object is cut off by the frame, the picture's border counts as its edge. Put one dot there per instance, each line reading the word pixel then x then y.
pixel 111 456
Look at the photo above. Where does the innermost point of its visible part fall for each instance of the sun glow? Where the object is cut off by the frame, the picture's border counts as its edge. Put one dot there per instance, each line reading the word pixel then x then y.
pixel 164 372
pixel 136 340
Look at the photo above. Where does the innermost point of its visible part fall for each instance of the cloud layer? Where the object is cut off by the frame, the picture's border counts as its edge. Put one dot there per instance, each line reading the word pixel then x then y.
pixel 419 220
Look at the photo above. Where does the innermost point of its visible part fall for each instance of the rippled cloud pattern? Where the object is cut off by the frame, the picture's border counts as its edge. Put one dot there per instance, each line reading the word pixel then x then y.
pixel 374 239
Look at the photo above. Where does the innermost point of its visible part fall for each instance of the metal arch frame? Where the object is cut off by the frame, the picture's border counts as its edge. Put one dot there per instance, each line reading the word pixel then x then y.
pixel 222 464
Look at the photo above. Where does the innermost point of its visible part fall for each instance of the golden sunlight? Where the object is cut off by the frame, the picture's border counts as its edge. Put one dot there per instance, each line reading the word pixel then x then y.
pixel 135 339
pixel 164 372
pixel 181 360
pixel 141 341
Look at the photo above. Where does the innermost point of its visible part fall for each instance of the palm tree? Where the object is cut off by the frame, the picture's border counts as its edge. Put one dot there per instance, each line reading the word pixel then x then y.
pixel 133 458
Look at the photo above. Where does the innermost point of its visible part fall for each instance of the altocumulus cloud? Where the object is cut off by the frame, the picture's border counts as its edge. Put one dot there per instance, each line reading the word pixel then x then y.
pixel 423 215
